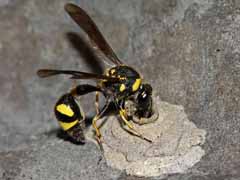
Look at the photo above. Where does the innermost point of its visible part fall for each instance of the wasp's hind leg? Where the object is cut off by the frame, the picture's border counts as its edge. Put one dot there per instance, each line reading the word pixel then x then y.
pixel 94 123
pixel 70 117
pixel 97 102
pixel 84 89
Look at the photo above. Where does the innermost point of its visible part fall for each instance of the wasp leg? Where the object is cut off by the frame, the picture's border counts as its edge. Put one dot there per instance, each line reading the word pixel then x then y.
pixel 97 102
pixel 130 126
pixel 94 124
pixel 84 89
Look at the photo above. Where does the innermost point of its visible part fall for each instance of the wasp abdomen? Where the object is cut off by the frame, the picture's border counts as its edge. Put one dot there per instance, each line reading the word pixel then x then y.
pixel 67 112
pixel 70 117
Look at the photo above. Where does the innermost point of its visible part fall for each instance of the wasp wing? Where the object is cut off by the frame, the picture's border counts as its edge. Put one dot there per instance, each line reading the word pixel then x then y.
pixel 43 73
pixel 88 25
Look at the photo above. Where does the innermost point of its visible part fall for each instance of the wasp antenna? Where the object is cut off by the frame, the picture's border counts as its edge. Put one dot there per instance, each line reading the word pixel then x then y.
pixel 43 73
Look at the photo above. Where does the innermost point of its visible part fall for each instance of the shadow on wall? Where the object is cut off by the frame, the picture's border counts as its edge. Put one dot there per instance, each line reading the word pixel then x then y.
pixel 86 52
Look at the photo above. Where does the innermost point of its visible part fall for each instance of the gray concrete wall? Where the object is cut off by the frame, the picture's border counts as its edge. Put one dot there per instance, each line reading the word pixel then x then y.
pixel 188 50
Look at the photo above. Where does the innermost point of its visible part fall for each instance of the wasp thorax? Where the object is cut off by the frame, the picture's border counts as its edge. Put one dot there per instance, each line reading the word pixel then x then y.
pixel 129 80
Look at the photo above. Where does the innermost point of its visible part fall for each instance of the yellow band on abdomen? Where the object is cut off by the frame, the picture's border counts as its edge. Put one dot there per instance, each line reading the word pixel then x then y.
pixel 64 109
pixel 67 125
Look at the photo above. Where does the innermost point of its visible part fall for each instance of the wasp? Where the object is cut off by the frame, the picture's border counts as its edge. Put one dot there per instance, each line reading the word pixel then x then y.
pixel 121 85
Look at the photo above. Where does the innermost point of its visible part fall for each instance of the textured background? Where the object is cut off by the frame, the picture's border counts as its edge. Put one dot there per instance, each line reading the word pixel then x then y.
pixel 187 49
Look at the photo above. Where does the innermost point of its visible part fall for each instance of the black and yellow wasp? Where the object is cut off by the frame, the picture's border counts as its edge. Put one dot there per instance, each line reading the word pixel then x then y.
pixel 119 84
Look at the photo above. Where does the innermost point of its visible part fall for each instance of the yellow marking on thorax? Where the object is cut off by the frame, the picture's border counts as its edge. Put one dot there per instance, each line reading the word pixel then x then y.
pixel 136 84
pixel 122 87
pixel 67 125
pixel 64 109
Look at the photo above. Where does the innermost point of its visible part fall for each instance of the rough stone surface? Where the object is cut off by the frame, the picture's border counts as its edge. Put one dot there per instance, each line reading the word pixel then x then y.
pixel 187 49
pixel 55 159
pixel 175 147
